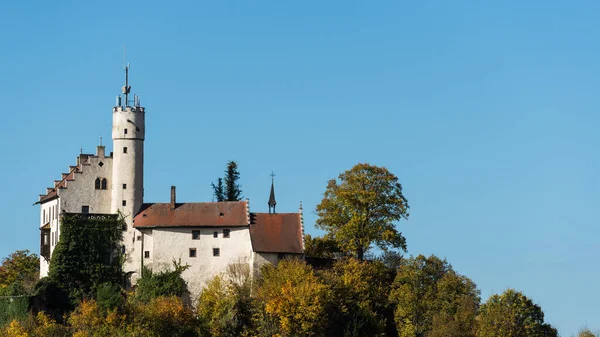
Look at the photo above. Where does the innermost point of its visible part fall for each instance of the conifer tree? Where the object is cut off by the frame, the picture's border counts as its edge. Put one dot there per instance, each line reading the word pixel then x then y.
pixel 233 191
pixel 219 192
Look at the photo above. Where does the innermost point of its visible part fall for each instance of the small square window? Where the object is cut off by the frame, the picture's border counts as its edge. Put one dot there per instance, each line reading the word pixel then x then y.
pixel 125 149
pixel 125 131
pixel 195 235
pixel 226 233
pixel 85 209
pixel 124 202
pixel 192 252
pixel 124 186
pixel 216 252
pixel 139 238
pixel 147 254
pixel 215 234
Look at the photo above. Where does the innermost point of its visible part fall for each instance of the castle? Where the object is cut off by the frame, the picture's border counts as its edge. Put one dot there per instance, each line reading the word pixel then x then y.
pixel 207 236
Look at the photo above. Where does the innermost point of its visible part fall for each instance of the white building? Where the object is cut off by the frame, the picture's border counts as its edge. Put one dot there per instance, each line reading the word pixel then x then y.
pixel 207 236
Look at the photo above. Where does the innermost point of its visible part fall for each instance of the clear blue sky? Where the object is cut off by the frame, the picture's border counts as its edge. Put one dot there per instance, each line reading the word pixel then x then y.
pixel 486 111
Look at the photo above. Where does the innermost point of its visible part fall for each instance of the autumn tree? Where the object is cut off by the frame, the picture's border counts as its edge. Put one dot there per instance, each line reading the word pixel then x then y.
pixel 294 298
pixel 512 314
pixel 359 293
pixel 359 210
pixel 21 268
pixel 585 332
pixel 432 300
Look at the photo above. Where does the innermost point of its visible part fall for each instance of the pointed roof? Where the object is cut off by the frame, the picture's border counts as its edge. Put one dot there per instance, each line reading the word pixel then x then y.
pixel 272 201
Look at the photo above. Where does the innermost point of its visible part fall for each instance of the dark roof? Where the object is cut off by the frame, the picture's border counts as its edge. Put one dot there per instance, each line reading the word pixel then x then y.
pixel 276 233
pixel 193 214
pixel 272 201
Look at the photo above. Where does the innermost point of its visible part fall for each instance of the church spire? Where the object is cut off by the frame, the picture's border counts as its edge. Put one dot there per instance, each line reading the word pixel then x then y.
pixel 272 201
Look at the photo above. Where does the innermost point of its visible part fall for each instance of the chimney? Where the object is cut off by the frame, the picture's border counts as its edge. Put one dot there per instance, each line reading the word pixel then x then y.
pixel 172 197
pixel 100 151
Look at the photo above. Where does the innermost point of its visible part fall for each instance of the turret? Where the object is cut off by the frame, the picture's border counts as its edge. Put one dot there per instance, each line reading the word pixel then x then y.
pixel 128 133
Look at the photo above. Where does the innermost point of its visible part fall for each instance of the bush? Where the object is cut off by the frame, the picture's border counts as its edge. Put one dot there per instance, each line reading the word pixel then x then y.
pixel 109 297
pixel 163 284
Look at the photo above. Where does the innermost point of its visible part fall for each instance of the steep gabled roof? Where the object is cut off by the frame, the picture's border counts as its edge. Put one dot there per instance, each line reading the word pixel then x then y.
pixel 276 233
pixel 52 193
pixel 193 214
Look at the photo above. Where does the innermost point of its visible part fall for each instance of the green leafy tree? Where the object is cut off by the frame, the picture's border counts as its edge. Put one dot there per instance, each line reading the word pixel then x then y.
pixel 432 300
pixel 321 247
pixel 359 210
pixel 233 190
pixel 166 283
pixel 512 314
pixel 21 267
pixel 359 293
pixel 218 190
pixel 87 254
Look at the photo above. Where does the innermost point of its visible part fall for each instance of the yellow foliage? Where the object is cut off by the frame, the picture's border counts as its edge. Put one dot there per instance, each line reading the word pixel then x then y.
pixel 15 329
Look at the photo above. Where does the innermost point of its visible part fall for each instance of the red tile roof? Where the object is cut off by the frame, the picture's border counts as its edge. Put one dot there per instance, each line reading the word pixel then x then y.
pixel 196 214
pixel 276 233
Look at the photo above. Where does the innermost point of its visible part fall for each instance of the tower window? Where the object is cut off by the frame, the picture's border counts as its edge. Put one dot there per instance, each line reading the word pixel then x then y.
pixel 195 235
pixel 125 131
pixel 226 233
pixel 124 202
pixel 147 254
pixel 103 187
pixel 124 186
pixel 216 252
pixel 192 252
pixel 97 184
pixel 85 209
pixel 125 149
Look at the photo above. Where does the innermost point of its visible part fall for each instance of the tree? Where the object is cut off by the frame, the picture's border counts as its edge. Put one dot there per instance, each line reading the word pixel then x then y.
pixel 360 209
pixel 585 332
pixel 293 296
pixel 320 247
pixel 20 267
pixel 432 300
pixel 233 191
pixel 218 190
pixel 512 314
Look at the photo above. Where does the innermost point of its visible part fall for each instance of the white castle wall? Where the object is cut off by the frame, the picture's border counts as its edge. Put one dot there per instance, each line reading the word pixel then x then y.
pixel 128 133
pixel 166 244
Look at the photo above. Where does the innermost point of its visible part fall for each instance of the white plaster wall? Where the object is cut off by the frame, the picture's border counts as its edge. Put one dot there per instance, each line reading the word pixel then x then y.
pixel 82 191
pixel 260 259
pixel 128 169
pixel 166 244
pixel 49 214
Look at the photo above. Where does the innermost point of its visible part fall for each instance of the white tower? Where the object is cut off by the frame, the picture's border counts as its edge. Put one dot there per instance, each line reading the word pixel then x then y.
pixel 128 130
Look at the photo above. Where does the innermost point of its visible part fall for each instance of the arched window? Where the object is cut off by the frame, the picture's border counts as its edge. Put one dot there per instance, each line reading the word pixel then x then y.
pixel 103 183
pixel 97 184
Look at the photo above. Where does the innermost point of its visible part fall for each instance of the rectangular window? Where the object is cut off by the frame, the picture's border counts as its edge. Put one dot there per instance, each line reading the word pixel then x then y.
pixel 215 234
pixel 192 252
pixel 195 235
pixel 125 131
pixel 124 202
pixel 85 209
pixel 125 149
pixel 226 233
pixel 139 238
pixel 216 252
pixel 147 254
pixel 124 186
